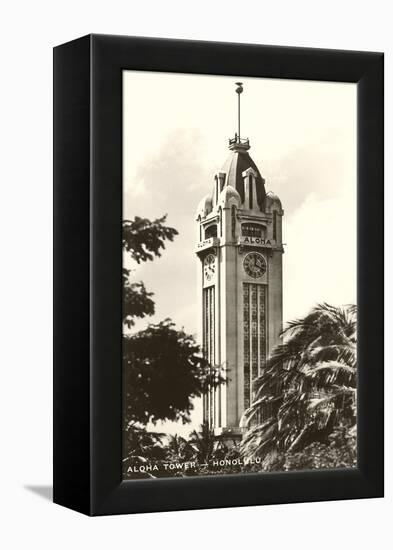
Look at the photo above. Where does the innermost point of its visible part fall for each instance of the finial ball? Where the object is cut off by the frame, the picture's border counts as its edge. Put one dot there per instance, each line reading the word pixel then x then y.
pixel 239 88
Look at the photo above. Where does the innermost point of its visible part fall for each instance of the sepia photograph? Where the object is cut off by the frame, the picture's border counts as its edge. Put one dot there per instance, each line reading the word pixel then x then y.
pixel 239 240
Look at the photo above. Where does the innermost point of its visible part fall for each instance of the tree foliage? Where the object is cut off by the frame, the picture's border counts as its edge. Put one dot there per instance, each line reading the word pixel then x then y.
pixel 339 451
pixel 162 450
pixel 141 447
pixel 137 302
pixel 143 240
pixel 308 388
pixel 163 368
pixel 178 449
pixel 163 372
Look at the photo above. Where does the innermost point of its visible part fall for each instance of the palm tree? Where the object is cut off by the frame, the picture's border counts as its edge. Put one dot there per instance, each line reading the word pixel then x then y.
pixel 308 387
pixel 203 444
pixel 178 449
pixel 208 447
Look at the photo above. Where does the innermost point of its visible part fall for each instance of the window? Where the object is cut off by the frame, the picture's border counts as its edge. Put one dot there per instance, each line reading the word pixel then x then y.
pixel 274 225
pixel 254 336
pixel 233 209
pixel 211 231
pixel 253 230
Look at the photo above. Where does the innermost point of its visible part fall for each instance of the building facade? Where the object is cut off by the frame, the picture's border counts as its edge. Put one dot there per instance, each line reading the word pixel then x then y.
pixel 239 249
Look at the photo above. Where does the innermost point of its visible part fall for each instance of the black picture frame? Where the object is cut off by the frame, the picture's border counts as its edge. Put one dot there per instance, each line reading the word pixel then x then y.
pixel 88 260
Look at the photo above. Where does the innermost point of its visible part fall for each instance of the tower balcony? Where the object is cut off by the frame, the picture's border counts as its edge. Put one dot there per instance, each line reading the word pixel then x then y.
pixel 206 244
pixel 239 144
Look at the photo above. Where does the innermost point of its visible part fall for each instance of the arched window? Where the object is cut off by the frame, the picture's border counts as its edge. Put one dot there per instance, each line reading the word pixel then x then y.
pixel 211 231
pixel 251 193
pixel 233 209
pixel 274 224
pixel 253 230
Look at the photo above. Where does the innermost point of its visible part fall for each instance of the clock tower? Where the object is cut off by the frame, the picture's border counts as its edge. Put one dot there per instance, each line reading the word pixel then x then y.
pixel 239 250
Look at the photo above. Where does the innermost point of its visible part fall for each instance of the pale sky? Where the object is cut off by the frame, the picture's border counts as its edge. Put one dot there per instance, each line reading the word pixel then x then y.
pixel 303 140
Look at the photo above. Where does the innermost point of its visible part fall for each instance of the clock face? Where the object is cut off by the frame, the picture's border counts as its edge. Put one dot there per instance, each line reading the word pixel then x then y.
pixel 209 266
pixel 254 265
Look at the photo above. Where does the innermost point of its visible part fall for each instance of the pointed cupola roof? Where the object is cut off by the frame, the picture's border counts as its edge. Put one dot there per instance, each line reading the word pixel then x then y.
pixel 239 161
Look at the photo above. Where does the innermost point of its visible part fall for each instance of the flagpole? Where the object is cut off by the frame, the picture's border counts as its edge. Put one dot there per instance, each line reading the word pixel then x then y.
pixel 239 90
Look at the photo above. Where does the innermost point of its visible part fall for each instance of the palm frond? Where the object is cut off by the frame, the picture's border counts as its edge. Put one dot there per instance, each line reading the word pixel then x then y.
pixel 307 385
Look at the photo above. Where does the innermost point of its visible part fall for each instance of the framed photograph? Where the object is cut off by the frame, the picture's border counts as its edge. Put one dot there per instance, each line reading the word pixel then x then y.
pixel 218 275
